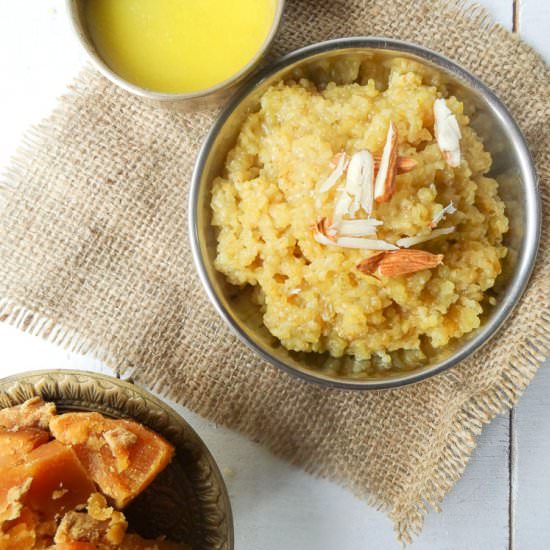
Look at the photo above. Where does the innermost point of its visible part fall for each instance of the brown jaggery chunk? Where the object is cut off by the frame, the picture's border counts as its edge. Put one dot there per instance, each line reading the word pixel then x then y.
pixel 33 413
pixel 135 542
pixel 75 545
pixel 19 534
pixel 58 482
pixel 99 524
pixel 19 537
pixel 11 497
pixel 121 456
pixel 105 528
pixel 15 446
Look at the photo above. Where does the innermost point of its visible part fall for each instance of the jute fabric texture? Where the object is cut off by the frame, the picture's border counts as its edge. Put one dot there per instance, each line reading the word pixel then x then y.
pixel 94 255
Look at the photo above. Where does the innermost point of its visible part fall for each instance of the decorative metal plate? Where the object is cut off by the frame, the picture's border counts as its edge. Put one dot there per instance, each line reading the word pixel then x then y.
pixel 188 501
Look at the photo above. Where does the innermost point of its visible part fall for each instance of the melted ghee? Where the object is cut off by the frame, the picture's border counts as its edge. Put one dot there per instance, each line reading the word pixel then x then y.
pixel 177 46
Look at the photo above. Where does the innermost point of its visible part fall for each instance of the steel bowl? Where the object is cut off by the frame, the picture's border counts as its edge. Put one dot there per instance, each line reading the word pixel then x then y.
pixel 191 101
pixel 188 501
pixel 512 167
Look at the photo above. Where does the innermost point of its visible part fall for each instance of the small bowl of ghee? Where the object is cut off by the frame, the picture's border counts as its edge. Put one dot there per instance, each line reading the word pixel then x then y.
pixel 179 54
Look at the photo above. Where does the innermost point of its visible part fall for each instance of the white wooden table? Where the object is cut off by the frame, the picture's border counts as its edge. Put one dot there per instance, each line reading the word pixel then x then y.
pixel 503 500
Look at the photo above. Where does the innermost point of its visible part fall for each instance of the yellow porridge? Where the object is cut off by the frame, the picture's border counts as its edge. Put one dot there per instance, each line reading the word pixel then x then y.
pixel 362 216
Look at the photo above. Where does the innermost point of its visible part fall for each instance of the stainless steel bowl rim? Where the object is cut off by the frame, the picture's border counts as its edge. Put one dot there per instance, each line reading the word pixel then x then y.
pixel 533 209
pixel 108 73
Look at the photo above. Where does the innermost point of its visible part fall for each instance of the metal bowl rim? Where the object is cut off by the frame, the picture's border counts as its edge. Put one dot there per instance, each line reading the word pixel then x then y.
pixel 531 238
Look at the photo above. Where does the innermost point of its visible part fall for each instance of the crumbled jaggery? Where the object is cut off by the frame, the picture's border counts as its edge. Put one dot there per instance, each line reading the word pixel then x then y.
pixel 33 413
pixel 48 499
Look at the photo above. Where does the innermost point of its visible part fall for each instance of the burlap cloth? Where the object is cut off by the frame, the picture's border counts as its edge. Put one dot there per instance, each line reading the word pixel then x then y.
pixel 94 255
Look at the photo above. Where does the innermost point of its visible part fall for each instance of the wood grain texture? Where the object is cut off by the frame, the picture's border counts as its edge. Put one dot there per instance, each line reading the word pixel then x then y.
pixel 531 475
pixel 530 429
pixel 502 11
pixel 316 514
pixel 534 24
pixel 278 507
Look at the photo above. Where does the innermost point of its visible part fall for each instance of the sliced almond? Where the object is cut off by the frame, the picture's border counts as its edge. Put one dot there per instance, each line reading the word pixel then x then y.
pixel 403 262
pixel 370 265
pixel 325 227
pixel 404 164
pixel 360 181
pixel 335 175
pixel 353 185
pixel 449 209
pixel 364 244
pixel 407 242
pixel 337 158
pixel 343 206
pixel 447 132
pixel 384 185
pixel 321 238
pixel 349 242
pixel 357 228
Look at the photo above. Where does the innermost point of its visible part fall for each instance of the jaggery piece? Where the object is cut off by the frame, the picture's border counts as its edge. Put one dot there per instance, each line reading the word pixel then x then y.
pixel 99 524
pixel 19 534
pixel 33 413
pixel 15 446
pixel 19 537
pixel 11 497
pixel 121 456
pixel 105 528
pixel 75 545
pixel 51 482
pixel 135 542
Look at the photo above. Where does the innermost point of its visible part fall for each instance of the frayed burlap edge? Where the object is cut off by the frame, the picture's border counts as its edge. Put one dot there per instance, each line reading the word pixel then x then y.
pixel 462 431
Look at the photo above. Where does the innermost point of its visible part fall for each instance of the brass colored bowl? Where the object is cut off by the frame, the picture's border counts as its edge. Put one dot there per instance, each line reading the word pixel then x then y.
pixel 188 501
pixel 190 101
pixel 512 167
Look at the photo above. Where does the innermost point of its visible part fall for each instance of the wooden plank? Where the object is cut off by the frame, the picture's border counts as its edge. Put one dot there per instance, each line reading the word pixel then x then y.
pixel 23 352
pixel 277 506
pixel 530 436
pixel 531 471
pixel 502 11
pixel 38 57
pixel 534 24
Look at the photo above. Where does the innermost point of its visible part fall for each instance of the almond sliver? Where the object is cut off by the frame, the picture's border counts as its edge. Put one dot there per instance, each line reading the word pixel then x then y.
pixel 407 261
pixel 447 132
pixel 323 239
pixel 360 180
pixel 384 185
pixel 449 209
pixel 324 227
pixel 353 183
pixel 370 265
pixel 407 242
pixel 404 164
pixel 364 244
pixel 357 228
pixel 343 206
pixel 335 175
pixel 353 242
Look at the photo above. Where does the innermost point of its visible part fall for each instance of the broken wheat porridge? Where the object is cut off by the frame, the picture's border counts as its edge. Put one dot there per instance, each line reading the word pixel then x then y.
pixel 362 216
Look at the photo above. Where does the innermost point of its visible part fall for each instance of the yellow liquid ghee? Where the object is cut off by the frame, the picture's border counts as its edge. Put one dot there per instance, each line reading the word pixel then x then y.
pixel 177 46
